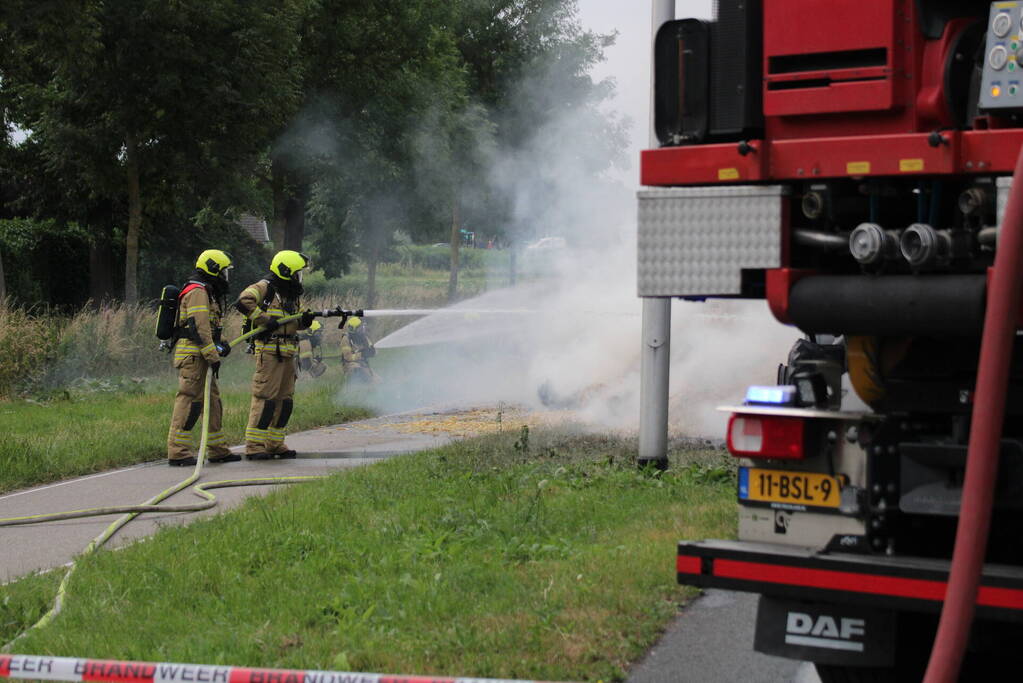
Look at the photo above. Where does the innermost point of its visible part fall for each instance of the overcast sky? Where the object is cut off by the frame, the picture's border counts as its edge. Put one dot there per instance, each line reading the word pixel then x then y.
pixel 628 61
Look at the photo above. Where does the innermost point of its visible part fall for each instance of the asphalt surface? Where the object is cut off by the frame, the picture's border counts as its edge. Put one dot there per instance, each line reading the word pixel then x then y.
pixel 44 546
pixel 711 641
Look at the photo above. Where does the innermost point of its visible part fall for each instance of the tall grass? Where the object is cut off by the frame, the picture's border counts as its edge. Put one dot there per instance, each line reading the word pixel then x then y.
pixel 42 351
pixel 114 339
pixel 26 342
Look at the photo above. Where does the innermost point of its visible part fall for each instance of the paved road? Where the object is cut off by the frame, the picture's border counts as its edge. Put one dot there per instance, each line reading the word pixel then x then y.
pixel 44 546
pixel 711 641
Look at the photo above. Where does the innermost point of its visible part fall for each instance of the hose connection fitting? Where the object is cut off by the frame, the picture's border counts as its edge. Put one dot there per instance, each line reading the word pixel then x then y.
pixel 871 245
pixel 924 247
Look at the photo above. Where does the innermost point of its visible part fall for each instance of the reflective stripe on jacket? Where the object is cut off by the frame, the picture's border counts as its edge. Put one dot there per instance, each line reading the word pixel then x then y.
pixel 283 342
pixel 352 351
pixel 196 304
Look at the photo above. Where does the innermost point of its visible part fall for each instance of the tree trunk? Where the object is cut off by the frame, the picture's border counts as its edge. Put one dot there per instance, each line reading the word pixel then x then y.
pixel 101 273
pixel 456 241
pixel 131 243
pixel 294 221
pixel 280 200
pixel 3 282
pixel 371 270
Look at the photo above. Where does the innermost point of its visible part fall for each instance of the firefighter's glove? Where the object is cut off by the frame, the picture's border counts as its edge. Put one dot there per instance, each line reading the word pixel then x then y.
pixel 271 325
pixel 307 318
pixel 215 367
pixel 344 319
pixel 370 352
pixel 224 350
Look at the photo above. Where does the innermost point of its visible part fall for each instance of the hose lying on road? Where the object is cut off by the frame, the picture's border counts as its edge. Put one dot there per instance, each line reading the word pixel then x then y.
pixel 130 512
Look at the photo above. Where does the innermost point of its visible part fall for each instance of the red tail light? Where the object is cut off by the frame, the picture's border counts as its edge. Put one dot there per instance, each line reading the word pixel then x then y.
pixel 766 436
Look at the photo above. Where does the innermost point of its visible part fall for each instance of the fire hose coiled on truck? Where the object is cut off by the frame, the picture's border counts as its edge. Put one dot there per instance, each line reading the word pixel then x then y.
pixel 130 512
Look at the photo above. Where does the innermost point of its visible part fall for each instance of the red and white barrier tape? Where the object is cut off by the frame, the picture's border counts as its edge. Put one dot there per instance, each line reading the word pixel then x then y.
pixel 71 669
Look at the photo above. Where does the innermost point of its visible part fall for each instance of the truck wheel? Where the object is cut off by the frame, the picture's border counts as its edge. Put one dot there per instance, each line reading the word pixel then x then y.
pixel 830 673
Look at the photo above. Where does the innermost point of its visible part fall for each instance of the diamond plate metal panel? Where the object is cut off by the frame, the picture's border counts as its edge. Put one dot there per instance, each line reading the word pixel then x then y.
pixel 694 241
pixel 1003 184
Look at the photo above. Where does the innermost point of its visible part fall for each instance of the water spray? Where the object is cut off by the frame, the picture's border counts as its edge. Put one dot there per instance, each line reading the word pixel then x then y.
pixel 417 312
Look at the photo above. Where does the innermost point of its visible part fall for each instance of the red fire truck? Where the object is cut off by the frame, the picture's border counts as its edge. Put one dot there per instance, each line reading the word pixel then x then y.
pixel 851 161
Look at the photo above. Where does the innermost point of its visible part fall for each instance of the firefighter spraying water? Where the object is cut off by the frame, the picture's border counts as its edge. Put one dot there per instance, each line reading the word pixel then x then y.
pixel 356 352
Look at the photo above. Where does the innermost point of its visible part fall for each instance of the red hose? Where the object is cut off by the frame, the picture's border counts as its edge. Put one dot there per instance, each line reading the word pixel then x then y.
pixel 1000 322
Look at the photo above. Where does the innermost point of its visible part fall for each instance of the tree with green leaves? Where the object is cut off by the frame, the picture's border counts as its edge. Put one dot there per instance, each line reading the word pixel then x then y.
pixel 154 123
pixel 379 68
pixel 140 101
pixel 529 63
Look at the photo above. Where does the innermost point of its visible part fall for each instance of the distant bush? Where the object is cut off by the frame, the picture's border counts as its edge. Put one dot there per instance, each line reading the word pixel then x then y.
pixel 27 243
pixel 439 258
pixel 315 284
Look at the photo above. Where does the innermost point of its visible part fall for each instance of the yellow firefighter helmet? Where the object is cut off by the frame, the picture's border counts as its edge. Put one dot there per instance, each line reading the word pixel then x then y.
pixel 214 262
pixel 287 264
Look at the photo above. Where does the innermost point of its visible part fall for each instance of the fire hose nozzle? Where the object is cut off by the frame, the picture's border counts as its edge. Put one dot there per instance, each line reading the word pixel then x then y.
pixel 338 313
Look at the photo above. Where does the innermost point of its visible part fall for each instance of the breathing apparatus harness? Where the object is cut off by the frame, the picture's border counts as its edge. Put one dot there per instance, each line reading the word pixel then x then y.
pixel 167 329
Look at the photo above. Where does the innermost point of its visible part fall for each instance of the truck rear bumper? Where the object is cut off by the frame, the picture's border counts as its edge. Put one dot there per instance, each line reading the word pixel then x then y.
pixel 899 583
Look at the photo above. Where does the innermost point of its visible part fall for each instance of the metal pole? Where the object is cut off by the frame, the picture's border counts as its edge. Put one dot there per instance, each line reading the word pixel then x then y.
pixel 654 361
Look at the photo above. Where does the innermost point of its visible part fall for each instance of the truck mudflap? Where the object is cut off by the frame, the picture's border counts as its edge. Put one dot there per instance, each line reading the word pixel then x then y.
pixel 892 583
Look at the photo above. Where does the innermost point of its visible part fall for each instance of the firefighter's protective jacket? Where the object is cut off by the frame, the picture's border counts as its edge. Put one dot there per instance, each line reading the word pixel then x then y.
pixel 309 347
pixel 199 325
pixel 259 308
pixel 356 350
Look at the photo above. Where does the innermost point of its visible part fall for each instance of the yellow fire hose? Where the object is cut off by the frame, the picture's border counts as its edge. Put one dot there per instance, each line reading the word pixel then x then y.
pixel 130 512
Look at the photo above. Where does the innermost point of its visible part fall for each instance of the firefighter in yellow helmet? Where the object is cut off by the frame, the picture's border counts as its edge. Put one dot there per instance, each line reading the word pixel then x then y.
pixel 310 350
pixel 356 350
pixel 198 349
pixel 273 384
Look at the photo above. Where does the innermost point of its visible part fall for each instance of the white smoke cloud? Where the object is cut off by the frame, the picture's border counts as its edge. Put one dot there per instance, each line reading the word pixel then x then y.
pixel 579 345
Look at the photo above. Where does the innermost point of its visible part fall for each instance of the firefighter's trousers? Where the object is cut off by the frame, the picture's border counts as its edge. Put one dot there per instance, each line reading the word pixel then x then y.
pixel 273 388
pixel 359 373
pixel 188 411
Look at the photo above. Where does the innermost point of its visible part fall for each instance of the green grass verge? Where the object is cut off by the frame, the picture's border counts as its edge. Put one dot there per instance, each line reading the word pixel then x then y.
pixel 485 558
pixel 113 424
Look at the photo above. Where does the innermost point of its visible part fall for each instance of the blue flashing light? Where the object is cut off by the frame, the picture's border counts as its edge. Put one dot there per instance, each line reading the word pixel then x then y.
pixel 784 395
